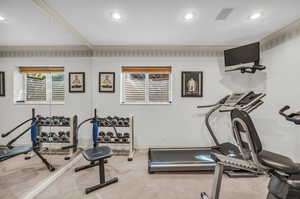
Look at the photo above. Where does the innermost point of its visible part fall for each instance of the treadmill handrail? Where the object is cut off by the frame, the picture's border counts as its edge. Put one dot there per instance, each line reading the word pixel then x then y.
pixel 208 106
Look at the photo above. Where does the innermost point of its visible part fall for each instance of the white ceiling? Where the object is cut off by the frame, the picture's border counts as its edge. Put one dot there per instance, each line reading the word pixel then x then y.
pixel 145 22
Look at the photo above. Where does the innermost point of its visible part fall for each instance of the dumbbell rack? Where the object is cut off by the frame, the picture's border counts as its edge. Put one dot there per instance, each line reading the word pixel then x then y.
pixel 118 147
pixel 51 147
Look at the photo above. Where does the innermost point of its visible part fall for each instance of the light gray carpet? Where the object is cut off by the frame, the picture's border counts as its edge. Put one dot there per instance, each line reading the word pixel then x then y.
pixel 19 176
pixel 136 183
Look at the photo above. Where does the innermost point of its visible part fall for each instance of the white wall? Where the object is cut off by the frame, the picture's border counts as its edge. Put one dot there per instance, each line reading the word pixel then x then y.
pixel 178 124
pixel 282 88
pixel 11 114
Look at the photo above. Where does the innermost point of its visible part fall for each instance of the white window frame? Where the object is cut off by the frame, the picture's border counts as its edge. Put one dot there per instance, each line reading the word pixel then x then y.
pixel 48 91
pixel 146 89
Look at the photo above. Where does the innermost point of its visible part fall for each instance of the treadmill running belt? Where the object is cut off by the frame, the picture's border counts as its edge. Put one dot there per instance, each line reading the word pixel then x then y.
pixel 181 157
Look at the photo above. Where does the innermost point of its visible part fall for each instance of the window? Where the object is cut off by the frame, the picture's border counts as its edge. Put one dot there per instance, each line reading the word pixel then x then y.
pixel 39 85
pixel 146 85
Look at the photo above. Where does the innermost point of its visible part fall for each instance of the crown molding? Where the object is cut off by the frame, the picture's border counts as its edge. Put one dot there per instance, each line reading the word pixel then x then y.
pixel 45 51
pixel 159 51
pixel 282 35
pixel 112 51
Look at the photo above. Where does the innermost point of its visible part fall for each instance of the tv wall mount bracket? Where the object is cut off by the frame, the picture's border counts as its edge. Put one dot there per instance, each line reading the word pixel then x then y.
pixel 249 69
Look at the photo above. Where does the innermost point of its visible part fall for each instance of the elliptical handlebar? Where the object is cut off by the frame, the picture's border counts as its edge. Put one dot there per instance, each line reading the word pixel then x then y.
pixel 11 131
pixel 285 108
pixel 20 135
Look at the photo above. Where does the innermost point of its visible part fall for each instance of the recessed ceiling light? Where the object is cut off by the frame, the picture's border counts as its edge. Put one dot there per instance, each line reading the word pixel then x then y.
pixel 189 16
pixel 2 18
pixel 255 15
pixel 116 16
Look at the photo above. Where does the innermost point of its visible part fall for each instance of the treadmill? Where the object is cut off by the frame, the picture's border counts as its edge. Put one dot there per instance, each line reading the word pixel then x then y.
pixel 199 158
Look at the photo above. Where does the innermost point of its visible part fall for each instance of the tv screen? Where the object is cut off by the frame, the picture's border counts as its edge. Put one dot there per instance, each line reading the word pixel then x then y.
pixel 242 55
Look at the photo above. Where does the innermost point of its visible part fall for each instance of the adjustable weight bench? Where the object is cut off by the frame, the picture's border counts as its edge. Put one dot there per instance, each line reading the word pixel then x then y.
pixel 99 154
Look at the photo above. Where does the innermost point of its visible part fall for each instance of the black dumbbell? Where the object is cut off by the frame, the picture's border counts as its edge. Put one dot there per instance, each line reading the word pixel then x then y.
pixel 56 122
pixel 44 134
pixel 68 134
pixel 114 122
pixel 125 140
pixel 126 135
pixel 101 134
pixel 110 134
pixel 47 121
pixel 119 135
pixel 52 134
pixel 65 122
pixel 64 139
pixel 116 140
pixel 61 133
pixel 106 138
pixel 44 139
pixel 126 122
pixel 121 123
pixel 55 138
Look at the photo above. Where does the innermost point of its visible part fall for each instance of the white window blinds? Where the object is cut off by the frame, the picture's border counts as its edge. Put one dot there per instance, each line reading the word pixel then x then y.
pixel 159 87
pixel 146 85
pixel 134 88
pixel 58 87
pixel 36 87
pixel 40 85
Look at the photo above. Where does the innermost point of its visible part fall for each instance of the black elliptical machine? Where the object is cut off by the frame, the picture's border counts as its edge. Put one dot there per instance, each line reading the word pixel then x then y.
pixel 284 173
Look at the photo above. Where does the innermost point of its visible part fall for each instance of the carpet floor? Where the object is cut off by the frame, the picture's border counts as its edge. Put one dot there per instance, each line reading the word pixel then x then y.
pixel 136 183
pixel 19 176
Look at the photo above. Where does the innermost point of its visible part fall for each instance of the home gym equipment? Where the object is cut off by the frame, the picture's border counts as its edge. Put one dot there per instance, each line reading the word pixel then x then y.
pixel 98 154
pixel 284 173
pixel 121 143
pixel 12 151
pixel 199 158
pixel 57 132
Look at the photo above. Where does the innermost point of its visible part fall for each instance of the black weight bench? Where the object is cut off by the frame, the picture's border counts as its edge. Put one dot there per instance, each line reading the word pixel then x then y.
pixel 99 154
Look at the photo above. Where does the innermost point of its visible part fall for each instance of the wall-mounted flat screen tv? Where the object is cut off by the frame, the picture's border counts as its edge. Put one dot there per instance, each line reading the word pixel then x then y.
pixel 242 55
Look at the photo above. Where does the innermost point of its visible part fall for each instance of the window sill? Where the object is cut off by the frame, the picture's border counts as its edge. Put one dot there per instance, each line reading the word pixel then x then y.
pixel 39 103
pixel 150 103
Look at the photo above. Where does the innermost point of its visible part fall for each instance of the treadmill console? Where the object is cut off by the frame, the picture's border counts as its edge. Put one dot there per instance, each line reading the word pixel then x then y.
pixel 234 99
pixel 245 101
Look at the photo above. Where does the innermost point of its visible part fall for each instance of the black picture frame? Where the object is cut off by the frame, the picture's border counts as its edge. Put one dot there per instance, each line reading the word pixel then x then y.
pixel 71 87
pixel 101 86
pixel 2 84
pixel 193 76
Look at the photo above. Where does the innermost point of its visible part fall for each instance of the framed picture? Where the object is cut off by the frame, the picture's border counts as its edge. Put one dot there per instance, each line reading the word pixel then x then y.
pixel 2 84
pixel 192 84
pixel 77 82
pixel 107 82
